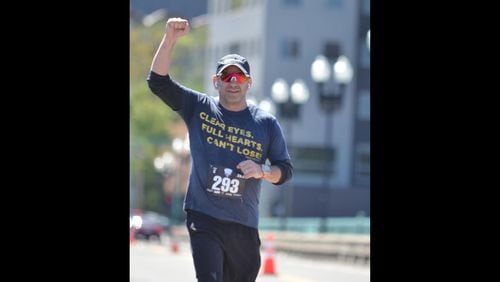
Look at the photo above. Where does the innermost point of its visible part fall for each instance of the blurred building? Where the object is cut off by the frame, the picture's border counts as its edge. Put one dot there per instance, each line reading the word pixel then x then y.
pixel 185 8
pixel 281 39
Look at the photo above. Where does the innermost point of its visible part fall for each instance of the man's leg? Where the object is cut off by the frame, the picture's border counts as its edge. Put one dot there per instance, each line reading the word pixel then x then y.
pixel 207 252
pixel 242 254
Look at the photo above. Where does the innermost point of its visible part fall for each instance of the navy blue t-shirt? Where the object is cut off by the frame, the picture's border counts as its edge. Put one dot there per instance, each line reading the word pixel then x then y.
pixel 220 139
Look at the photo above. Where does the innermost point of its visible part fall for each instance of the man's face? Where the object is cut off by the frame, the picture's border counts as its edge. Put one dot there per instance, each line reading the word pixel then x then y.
pixel 233 86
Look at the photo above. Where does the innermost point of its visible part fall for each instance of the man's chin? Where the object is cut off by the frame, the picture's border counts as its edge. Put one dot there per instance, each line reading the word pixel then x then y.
pixel 234 98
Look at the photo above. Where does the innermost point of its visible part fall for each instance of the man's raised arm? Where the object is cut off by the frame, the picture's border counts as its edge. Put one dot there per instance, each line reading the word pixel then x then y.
pixel 175 28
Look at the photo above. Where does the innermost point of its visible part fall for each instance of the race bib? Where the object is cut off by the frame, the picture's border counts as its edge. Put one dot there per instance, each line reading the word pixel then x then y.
pixel 225 182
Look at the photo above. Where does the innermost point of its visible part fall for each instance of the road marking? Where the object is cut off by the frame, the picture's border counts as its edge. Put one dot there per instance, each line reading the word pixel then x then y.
pixel 330 266
pixel 282 277
pixel 292 278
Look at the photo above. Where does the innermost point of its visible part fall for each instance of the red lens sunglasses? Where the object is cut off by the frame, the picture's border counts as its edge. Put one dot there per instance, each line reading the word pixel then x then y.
pixel 238 77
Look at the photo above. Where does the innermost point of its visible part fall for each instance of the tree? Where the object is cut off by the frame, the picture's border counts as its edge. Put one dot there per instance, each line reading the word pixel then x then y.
pixel 151 120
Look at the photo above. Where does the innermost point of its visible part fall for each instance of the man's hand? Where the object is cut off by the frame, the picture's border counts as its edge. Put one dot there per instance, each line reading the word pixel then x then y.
pixel 250 169
pixel 176 28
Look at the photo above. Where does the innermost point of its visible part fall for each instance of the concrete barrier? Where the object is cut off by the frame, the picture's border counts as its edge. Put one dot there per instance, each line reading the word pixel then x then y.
pixel 353 248
pixel 347 247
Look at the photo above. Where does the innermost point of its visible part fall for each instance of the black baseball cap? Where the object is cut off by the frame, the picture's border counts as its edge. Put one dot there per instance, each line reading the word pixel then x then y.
pixel 233 60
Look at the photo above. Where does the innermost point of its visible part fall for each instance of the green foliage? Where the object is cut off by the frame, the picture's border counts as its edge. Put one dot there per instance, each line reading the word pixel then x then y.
pixel 189 59
pixel 149 115
pixel 150 118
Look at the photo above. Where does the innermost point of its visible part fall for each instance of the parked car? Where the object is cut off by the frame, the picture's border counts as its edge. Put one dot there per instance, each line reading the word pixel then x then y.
pixel 149 225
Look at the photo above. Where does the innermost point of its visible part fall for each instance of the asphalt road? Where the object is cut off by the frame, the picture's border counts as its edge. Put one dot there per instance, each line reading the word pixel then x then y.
pixel 156 262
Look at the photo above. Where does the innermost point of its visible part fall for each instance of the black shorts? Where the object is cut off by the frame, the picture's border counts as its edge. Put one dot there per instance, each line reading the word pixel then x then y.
pixel 223 251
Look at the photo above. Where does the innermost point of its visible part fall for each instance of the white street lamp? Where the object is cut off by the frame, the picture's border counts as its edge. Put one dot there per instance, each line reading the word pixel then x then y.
pixel 181 148
pixel 342 70
pixel 279 91
pixel 268 106
pixel 320 69
pixel 330 101
pixel 177 145
pixel 164 162
pixel 368 40
pixel 288 101
pixel 300 92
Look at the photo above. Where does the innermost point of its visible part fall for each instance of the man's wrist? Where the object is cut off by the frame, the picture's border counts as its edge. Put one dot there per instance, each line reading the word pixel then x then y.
pixel 266 170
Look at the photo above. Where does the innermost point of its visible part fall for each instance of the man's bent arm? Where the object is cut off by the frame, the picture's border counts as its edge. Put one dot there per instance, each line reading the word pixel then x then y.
pixel 285 169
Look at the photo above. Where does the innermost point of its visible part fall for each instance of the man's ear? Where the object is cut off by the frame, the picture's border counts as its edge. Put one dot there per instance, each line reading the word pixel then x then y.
pixel 215 82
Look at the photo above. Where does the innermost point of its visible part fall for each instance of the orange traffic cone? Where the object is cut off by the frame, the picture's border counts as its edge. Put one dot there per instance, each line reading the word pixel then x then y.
pixel 269 266
pixel 174 245
pixel 132 235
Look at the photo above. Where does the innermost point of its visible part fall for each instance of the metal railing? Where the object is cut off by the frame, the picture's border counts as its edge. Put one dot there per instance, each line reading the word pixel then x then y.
pixel 340 225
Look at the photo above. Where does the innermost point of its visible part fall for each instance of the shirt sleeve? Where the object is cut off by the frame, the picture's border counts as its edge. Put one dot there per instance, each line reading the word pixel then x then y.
pixel 163 87
pixel 278 153
pixel 178 97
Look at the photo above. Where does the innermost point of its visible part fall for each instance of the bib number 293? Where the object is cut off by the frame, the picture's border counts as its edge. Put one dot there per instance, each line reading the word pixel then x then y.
pixel 225 184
